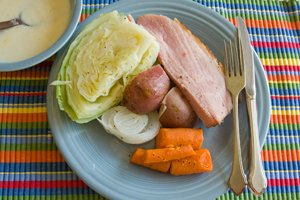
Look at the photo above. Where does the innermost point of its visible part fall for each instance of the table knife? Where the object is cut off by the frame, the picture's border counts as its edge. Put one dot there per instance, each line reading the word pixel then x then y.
pixel 257 181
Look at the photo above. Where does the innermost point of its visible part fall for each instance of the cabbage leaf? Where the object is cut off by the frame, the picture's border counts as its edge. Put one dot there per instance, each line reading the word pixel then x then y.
pixel 108 53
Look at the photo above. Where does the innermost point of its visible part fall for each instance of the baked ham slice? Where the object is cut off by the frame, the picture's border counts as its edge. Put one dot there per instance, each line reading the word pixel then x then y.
pixel 192 67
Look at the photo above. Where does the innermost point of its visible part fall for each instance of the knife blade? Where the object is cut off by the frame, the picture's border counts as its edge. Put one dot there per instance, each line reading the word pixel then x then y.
pixel 247 57
pixel 257 181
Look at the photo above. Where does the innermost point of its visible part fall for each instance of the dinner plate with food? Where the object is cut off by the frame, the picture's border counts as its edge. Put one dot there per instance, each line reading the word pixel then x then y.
pixel 138 105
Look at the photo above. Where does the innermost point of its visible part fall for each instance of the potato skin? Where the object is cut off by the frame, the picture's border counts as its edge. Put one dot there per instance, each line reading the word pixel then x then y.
pixel 146 91
pixel 176 112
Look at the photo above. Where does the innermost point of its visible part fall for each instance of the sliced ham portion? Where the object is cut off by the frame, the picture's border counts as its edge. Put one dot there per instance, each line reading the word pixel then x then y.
pixel 192 67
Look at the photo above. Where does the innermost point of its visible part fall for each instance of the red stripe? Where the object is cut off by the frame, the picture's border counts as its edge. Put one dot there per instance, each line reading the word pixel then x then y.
pixel 284 182
pixel 43 184
pixel 281 68
pixel 285 97
pixel 276 44
pixel 18 94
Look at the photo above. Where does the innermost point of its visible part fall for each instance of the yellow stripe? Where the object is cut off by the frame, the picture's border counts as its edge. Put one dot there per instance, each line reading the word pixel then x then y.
pixel 24 173
pixel 279 61
pixel 25 136
pixel 282 82
pixel 23 110
pixel 285 112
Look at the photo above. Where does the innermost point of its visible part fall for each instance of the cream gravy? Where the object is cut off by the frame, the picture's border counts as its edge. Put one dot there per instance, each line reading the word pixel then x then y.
pixel 47 19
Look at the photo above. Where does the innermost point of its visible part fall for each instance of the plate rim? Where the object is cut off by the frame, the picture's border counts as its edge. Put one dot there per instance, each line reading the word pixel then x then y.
pixel 87 178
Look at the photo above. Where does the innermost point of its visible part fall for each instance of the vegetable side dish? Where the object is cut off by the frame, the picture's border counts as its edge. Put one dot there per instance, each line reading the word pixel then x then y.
pixel 108 75
pixel 100 62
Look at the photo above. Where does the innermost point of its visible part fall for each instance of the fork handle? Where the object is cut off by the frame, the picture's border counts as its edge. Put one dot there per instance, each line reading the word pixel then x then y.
pixel 237 180
pixel 257 178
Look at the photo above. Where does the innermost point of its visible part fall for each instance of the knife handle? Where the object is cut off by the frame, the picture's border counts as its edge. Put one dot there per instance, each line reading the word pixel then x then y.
pixel 257 181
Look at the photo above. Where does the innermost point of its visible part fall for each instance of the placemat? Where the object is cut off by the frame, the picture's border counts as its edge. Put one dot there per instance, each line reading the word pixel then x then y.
pixel 31 166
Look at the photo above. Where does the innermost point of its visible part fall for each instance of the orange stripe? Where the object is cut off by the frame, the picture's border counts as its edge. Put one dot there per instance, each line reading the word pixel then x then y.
pixel 23 117
pixel 254 23
pixel 284 119
pixel 280 155
pixel 30 156
pixel 83 17
pixel 283 77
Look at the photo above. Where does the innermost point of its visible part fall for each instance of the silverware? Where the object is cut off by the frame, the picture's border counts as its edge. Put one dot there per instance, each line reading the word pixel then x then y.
pixel 11 23
pixel 235 82
pixel 257 181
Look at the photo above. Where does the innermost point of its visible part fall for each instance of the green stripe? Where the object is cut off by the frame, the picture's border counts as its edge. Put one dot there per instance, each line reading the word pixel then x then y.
pixel 29 82
pixel 281 55
pixel 284 85
pixel 281 147
pixel 55 197
pixel 28 147
pixel 264 196
pixel 276 126
pixel 91 10
pixel 24 125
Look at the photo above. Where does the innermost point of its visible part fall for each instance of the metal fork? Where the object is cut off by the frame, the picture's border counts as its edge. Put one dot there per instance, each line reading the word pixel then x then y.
pixel 235 82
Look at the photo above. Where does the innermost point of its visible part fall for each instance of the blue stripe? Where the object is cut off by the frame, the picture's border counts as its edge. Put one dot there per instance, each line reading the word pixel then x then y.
pixel 284 102
pixel 282 189
pixel 292 165
pixel 22 131
pixel 24 140
pixel 38 177
pixel 45 191
pixel 85 2
pixel 275 91
pixel 284 132
pixel 23 88
pixel 34 167
pixel 22 99
pixel 276 50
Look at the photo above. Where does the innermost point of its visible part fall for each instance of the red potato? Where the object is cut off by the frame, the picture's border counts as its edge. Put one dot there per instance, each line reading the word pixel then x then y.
pixel 146 91
pixel 176 112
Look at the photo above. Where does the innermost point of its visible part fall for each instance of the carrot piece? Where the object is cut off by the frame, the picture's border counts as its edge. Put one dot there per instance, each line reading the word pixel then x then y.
pixel 172 137
pixel 201 162
pixel 139 156
pixel 168 154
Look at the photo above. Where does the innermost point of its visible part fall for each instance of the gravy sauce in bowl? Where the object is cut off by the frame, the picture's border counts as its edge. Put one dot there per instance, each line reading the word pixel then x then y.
pixel 47 20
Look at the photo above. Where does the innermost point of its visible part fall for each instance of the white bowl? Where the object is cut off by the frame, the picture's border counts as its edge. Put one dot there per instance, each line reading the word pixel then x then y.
pixel 12 66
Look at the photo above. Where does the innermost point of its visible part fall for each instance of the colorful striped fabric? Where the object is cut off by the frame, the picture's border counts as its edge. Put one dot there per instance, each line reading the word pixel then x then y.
pixel 31 167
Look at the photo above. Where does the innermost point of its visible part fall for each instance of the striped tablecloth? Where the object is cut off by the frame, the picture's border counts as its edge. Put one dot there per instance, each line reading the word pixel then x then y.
pixel 31 167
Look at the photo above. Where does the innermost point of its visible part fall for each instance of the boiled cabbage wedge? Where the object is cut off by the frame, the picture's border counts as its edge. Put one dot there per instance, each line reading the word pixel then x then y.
pixel 100 62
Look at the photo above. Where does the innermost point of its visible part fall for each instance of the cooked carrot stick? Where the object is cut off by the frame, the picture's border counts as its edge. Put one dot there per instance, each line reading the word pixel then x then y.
pixel 139 156
pixel 201 162
pixel 172 137
pixel 168 154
